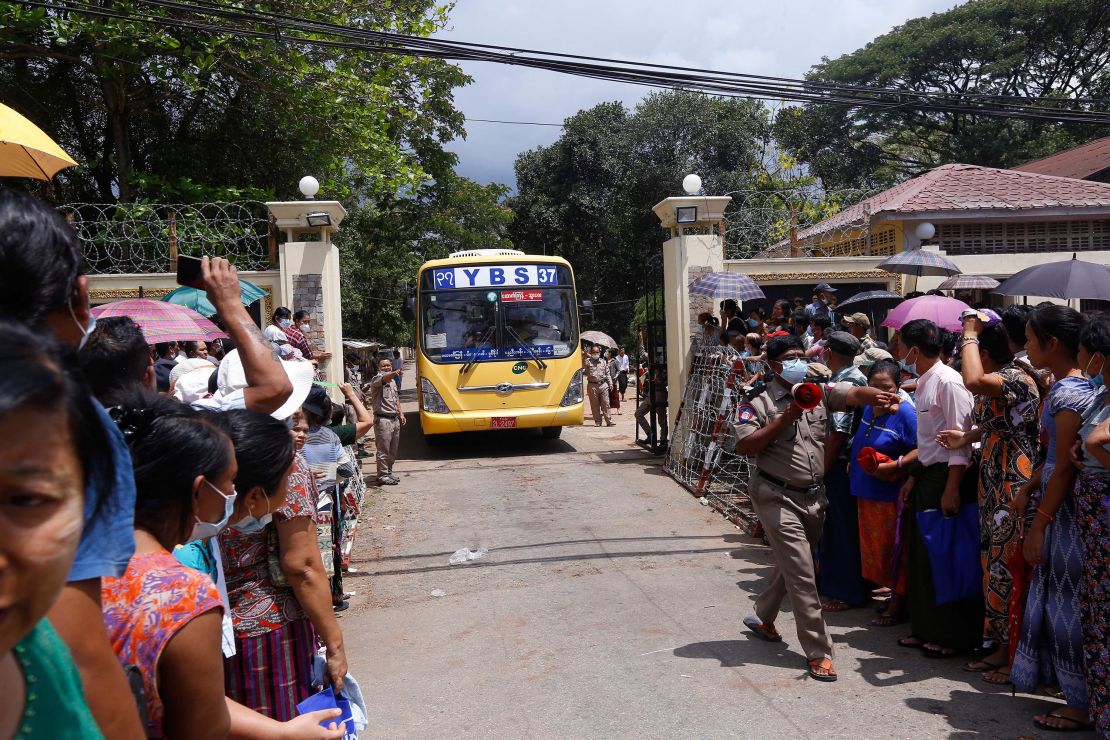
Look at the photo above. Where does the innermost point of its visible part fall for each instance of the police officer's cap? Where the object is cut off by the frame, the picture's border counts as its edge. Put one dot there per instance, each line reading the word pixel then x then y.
pixel 842 343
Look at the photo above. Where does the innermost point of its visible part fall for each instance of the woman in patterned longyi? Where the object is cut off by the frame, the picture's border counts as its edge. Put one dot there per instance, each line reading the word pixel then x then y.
pixel 1007 401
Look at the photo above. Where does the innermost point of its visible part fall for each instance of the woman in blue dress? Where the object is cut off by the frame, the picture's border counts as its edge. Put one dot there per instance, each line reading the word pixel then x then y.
pixel 1050 649
pixel 891 431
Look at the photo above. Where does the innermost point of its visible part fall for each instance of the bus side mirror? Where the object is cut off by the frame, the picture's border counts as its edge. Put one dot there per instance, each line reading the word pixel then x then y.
pixel 408 309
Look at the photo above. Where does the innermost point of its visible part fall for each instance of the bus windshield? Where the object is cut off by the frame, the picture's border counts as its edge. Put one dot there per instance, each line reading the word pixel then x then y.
pixel 454 323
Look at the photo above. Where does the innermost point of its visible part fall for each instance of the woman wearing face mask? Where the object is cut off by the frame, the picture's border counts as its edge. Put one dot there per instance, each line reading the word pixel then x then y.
pixel 1050 649
pixel 162 616
pixel 281 319
pixel 1007 403
pixel 276 584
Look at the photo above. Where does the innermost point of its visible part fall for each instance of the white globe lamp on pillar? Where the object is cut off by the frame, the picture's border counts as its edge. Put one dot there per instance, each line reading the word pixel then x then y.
pixel 309 186
pixel 691 184
pixel 925 231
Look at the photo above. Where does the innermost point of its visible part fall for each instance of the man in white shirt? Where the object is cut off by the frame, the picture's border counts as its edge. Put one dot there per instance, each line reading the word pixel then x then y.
pixel 938 480
pixel 622 372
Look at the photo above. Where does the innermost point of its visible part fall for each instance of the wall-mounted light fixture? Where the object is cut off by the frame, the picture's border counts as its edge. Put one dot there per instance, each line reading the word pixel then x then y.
pixel 685 214
pixel 319 218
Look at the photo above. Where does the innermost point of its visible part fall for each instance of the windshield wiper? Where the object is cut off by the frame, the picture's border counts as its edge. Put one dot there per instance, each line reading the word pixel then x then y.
pixel 477 351
pixel 512 331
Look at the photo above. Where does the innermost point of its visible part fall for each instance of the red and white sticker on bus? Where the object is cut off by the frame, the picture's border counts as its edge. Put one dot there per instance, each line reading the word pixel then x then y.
pixel 521 296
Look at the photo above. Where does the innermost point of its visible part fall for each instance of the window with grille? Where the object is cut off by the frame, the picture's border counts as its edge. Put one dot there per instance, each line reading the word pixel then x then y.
pixel 1023 237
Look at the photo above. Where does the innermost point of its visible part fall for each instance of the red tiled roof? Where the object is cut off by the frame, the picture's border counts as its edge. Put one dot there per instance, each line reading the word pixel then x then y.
pixel 1081 161
pixel 966 187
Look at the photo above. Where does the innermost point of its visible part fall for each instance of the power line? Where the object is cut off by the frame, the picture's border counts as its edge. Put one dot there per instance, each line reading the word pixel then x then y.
pixel 515 123
pixel 289 29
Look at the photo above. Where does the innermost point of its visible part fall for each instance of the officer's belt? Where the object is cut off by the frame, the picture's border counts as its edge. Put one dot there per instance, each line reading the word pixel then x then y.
pixel 386 416
pixel 783 484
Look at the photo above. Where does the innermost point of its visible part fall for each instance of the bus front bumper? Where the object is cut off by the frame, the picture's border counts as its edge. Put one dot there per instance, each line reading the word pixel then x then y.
pixel 480 421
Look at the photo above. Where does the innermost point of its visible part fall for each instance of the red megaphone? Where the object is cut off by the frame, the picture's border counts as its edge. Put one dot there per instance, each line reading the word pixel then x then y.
pixel 807 395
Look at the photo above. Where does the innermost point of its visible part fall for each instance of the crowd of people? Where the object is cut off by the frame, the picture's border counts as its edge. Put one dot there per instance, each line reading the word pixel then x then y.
pixel 960 479
pixel 171 516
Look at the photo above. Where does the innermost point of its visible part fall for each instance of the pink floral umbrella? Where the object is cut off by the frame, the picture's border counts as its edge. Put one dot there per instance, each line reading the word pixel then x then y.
pixel 941 310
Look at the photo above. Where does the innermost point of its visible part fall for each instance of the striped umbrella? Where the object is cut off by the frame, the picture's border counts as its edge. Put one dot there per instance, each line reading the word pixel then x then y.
pixel 919 262
pixel 969 282
pixel 726 285
pixel 162 322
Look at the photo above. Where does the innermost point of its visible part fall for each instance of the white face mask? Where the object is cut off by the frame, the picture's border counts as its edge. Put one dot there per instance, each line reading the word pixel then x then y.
pixel 85 330
pixel 205 530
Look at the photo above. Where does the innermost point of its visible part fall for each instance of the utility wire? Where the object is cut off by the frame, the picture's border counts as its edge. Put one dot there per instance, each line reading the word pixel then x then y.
pixel 515 123
pixel 212 17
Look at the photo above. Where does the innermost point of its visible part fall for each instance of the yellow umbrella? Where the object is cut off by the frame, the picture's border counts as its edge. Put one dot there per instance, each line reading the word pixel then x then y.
pixel 25 151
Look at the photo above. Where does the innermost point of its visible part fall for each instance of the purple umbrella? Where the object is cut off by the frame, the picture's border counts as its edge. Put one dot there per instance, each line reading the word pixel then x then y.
pixel 941 310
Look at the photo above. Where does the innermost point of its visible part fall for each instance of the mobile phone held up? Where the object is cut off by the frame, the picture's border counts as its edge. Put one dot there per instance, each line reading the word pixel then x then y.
pixel 188 272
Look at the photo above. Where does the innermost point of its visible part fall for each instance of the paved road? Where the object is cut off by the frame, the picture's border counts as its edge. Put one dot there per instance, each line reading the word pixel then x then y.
pixel 609 605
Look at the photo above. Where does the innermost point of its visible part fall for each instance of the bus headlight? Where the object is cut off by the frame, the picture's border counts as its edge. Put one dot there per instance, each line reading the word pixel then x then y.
pixel 430 399
pixel 574 390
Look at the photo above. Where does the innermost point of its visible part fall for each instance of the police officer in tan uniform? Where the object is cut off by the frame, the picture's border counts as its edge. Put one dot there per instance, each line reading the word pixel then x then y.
pixel 787 491
pixel 598 381
pixel 388 420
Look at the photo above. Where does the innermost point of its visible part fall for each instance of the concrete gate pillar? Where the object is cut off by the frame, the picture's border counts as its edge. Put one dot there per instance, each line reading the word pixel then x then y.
pixel 310 273
pixel 693 249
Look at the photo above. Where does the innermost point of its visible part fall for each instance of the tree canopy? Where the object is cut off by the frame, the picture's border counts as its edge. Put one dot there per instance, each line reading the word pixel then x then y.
pixel 1032 48
pixel 588 196
pixel 162 111
pixel 382 244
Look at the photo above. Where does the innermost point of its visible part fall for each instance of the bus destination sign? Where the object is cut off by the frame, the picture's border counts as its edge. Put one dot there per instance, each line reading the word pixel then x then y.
pixel 494 276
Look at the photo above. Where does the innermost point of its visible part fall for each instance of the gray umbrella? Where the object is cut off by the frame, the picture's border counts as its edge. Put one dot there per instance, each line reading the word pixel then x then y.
pixel 1067 279
pixel 871 299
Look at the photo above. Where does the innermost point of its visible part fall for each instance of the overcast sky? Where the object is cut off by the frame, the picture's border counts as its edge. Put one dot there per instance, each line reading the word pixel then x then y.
pixel 772 37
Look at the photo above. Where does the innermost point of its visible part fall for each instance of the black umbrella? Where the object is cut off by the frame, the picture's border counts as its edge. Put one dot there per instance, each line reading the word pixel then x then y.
pixel 871 299
pixel 1068 279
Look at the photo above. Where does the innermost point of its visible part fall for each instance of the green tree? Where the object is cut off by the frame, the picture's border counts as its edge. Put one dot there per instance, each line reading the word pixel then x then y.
pixel 588 196
pixel 159 111
pixel 382 245
pixel 1032 48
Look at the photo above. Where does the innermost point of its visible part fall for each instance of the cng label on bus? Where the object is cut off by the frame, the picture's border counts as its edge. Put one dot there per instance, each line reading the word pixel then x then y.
pixel 521 296
pixel 493 276
pixel 519 368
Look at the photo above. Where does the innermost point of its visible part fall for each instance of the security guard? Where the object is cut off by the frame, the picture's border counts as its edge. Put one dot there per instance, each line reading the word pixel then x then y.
pixel 388 420
pixel 787 491
pixel 597 385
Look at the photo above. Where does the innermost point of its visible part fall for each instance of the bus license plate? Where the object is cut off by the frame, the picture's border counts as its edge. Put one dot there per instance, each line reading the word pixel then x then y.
pixel 503 422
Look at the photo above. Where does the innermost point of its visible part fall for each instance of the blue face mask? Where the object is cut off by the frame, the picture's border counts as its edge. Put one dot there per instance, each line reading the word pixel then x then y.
pixel 286 323
pixel 250 525
pixel 794 371
pixel 753 323
pixel 1095 380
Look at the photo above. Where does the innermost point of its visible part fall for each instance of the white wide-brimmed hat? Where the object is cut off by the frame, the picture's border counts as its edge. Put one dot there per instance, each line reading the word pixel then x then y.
pixel 231 378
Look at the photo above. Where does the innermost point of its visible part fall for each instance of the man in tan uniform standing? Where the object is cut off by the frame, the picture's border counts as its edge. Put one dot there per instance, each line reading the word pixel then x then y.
pixel 597 384
pixel 388 420
pixel 788 492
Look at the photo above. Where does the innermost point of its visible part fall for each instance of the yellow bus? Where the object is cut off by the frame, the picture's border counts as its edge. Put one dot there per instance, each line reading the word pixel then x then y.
pixel 497 343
